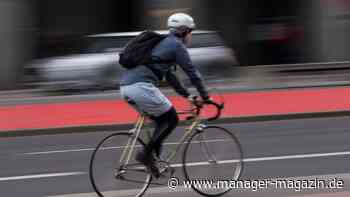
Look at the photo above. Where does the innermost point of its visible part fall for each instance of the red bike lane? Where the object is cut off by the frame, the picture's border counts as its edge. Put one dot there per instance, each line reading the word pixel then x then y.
pixel 237 104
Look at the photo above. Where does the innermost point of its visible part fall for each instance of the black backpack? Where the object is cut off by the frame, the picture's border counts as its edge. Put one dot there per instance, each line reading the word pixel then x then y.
pixel 138 50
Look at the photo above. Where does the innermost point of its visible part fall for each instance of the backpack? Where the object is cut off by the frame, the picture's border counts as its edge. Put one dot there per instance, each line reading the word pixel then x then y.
pixel 138 50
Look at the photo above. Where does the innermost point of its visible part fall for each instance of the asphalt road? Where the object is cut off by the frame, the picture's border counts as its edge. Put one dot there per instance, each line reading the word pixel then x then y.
pixel 57 165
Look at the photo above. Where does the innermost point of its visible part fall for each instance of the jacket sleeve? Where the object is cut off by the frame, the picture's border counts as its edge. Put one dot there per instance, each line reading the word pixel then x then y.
pixel 184 61
pixel 176 84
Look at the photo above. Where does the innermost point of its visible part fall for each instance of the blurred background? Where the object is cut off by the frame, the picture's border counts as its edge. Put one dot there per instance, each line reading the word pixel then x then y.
pixel 35 34
pixel 59 76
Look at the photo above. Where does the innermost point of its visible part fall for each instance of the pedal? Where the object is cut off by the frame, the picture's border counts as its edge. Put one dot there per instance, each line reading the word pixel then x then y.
pixel 119 174
pixel 167 170
pixel 211 161
pixel 172 171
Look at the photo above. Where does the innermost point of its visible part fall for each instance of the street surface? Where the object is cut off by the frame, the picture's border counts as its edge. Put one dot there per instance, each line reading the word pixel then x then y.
pixel 57 165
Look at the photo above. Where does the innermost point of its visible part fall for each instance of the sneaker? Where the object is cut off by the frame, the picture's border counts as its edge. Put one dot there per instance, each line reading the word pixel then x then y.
pixel 158 151
pixel 149 162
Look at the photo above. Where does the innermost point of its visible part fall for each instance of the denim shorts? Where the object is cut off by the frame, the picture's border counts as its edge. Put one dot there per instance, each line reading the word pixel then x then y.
pixel 146 98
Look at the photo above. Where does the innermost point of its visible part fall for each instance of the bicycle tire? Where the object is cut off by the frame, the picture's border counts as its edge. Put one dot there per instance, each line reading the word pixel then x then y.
pixel 239 160
pixel 92 162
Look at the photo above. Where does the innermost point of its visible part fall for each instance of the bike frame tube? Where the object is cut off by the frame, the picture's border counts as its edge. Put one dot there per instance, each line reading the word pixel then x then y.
pixel 137 130
pixel 188 132
pixel 132 141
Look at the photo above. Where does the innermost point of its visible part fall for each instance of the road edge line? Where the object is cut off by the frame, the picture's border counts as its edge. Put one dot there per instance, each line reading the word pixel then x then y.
pixel 117 127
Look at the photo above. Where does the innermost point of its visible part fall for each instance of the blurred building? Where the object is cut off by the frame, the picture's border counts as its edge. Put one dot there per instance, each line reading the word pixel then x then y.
pixel 284 32
pixel 263 32
pixel 16 38
pixel 333 29
pixel 156 12
pixel 260 32
pixel 61 23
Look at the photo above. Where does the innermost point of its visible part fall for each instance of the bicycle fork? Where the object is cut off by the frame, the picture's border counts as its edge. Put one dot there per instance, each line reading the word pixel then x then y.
pixel 204 146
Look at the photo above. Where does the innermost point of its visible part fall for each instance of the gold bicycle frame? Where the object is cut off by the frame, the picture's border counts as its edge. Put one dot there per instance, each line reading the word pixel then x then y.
pixel 136 131
pixel 132 141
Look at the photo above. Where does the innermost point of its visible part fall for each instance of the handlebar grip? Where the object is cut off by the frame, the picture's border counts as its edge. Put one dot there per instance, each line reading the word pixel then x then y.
pixel 219 108
pixel 189 117
pixel 199 105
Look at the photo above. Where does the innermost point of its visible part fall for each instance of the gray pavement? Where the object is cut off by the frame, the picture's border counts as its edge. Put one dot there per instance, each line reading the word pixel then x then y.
pixel 57 165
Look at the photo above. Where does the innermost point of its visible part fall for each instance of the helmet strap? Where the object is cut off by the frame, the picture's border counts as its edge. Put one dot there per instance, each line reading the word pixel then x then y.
pixel 181 32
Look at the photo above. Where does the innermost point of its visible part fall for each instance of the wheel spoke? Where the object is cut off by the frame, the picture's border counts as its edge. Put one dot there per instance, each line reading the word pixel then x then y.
pixel 209 155
pixel 110 172
pixel 217 156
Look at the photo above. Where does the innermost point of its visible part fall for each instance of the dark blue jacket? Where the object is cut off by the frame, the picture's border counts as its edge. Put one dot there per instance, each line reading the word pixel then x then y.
pixel 168 53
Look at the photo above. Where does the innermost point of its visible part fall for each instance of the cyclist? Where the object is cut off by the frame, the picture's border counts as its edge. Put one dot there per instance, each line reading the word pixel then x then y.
pixel 138 85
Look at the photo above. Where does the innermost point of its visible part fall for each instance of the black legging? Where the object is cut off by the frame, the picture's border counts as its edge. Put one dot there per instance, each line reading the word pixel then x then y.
pixel 165 124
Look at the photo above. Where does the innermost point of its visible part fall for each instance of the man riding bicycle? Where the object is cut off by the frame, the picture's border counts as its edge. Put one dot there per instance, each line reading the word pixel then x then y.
pixel 138 85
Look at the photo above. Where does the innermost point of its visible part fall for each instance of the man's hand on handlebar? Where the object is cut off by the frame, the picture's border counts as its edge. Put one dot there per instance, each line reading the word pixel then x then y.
pixel 208 100
pixel 196 101
pixel 199 103
pixel 192 98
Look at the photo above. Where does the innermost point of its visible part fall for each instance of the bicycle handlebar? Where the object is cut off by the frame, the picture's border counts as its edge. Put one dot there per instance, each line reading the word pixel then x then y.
pixel 199 104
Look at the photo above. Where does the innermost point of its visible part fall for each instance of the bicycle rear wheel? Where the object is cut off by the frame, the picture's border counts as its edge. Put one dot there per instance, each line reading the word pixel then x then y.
pixel 107 174
pixel 212 159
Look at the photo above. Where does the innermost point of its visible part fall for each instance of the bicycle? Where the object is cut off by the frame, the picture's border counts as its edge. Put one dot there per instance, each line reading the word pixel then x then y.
pixel 130 173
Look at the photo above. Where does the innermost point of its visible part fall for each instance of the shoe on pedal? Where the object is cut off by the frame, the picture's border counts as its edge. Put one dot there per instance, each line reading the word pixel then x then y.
pixel 149 161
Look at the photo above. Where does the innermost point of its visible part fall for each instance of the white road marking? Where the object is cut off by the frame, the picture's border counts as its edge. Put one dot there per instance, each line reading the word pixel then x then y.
pixel 37 176
pixel 300 156
pixel 58 151
pixel 258 159
pixel 165 190
pixel 108 148
pixel 129 192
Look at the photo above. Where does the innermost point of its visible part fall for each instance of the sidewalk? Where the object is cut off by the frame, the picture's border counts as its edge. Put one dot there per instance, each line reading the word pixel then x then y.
pixel 29 117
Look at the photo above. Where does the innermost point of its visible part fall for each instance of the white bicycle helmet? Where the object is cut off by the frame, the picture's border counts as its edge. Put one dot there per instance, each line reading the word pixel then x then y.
pixel 181 20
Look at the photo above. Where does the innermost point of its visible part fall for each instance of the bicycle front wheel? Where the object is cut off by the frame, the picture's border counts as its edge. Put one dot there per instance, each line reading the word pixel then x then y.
pixel 109 175
pixel 212 160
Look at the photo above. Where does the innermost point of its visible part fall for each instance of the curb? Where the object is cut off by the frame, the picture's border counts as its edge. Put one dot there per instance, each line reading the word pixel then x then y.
pixel 169 92
pixel 118 127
